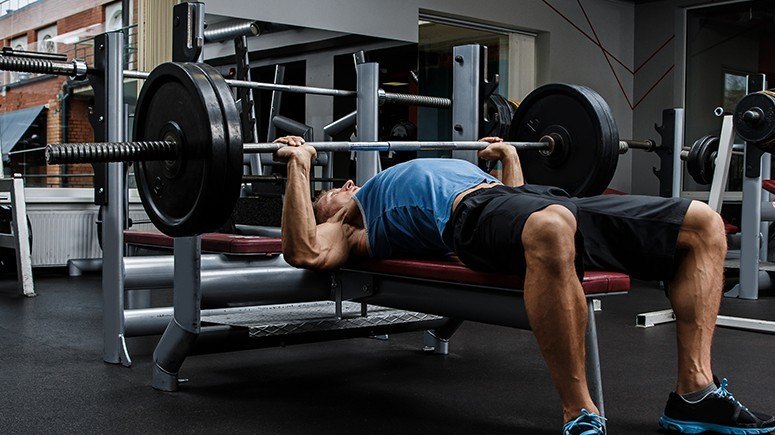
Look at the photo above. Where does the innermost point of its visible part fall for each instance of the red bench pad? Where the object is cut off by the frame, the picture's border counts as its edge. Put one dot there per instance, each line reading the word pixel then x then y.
pixel 768 185
pixel 450 269
pixel 212 242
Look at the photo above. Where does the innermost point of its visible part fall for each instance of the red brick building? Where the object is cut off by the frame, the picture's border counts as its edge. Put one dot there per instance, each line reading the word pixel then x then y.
pixel 65 27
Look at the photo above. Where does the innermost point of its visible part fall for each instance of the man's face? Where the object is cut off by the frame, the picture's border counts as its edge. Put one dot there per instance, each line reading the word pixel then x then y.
pixel 335 199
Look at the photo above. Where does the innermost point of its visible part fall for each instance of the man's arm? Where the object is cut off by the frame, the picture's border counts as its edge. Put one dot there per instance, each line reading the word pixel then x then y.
pixel 507 154
pixel 306 244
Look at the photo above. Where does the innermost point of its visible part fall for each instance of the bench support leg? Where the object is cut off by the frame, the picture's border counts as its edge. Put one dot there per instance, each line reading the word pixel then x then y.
pixel 185 326
pixel 593 359
pixel 437 340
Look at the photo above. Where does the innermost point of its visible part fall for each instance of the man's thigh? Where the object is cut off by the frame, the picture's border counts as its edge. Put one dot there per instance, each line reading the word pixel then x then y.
pixel 632 234
pixel 488 232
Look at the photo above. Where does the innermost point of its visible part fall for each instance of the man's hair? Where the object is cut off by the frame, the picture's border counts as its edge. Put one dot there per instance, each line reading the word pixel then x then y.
pixel 319 217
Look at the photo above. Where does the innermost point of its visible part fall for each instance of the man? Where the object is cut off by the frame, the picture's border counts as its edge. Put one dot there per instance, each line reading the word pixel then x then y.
pixel 434 206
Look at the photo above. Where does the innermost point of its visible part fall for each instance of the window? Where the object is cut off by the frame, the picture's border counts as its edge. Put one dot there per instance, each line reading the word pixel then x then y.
pixel 19 43
pixel 8 6
pixel 45 38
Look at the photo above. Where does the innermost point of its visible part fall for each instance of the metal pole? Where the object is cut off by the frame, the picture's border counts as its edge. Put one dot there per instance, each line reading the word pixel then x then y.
pixel 111 47
pixel 367 120
pixel 593 359
pixel 678 143
pixel 465 95
pixel 185 325
pixel 750 222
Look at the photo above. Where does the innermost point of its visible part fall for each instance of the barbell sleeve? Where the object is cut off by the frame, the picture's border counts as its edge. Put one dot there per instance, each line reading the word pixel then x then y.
pixel 645 145
pixel 230 30
pixel 75 68
pixel 57 154
pixel 415 100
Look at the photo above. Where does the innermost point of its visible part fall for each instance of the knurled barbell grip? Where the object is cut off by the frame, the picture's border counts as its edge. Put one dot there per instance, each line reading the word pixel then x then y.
pixel 57 154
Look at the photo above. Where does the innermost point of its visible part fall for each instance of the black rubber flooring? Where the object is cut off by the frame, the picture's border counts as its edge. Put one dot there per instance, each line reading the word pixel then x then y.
pixel 53 380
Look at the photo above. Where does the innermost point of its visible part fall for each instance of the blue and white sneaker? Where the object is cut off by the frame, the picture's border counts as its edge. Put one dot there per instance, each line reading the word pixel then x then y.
pixel 588 423
pixel 718 412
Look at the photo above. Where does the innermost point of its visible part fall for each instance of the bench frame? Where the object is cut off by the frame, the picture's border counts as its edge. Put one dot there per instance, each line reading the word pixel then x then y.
pixel 455 301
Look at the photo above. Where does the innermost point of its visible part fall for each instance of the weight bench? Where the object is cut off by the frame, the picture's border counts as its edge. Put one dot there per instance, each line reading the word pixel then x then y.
pixel 440 286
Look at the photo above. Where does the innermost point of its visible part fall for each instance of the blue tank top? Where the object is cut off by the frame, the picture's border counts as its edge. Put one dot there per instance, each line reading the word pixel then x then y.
pixel 406 207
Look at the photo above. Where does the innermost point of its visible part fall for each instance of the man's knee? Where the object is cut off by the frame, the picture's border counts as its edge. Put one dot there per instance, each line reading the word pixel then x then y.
pixel 702 228
pixel 549 236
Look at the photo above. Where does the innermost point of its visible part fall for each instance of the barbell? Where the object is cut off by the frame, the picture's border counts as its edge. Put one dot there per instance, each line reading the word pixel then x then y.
pixel 189 151
pixel 754 119
pixel 19 61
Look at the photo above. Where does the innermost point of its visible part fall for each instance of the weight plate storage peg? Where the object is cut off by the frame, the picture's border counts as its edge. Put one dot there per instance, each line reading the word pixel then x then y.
pixel 196 191
pixel 585 153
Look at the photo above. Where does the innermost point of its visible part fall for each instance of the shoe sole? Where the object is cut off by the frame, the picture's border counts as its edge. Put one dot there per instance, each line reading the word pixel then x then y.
pixel 694 427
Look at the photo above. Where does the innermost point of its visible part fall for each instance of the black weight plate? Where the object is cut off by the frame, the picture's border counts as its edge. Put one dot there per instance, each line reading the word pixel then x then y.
pixel 194 193
pixel 231 157
pixel 701 162
pixel 586 163
pixel 498 113
pixel 761 132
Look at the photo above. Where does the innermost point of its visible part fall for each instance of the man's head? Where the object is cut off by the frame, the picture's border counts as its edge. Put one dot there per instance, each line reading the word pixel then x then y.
pixel 328 202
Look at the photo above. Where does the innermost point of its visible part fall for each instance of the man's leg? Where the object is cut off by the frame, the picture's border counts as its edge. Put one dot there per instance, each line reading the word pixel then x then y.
pixel 555 304
pixel 695 293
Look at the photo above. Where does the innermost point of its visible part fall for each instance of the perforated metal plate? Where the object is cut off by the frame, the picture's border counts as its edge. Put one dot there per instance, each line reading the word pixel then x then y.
pixel 290 319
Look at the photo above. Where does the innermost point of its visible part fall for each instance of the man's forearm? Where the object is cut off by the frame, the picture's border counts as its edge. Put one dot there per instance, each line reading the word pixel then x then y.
pixel 298 219
pixel 512 171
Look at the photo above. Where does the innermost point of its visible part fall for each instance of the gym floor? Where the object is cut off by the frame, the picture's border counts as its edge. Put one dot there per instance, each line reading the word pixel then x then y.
pixel 53 379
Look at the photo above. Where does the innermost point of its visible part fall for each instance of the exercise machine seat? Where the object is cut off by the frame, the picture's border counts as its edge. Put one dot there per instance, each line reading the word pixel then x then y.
pixel 448 269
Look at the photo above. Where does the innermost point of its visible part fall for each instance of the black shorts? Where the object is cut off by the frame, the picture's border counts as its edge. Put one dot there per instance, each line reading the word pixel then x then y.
pixel 631 234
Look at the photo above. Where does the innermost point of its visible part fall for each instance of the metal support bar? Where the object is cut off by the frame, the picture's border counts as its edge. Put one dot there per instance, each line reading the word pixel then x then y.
pixel 723 159
pixel 110 47
pixel 183 329
pixel 230 30
pixel 367 120
pixel 750 221
pixel 292 126
pixel 465 94
pixel 593 359
pixel 19 238
pixel 340 125
pixel 437 340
